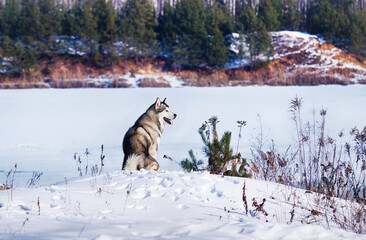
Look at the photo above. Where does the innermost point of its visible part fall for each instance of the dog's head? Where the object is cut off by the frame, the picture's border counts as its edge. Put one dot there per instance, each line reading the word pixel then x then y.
pixel 163 112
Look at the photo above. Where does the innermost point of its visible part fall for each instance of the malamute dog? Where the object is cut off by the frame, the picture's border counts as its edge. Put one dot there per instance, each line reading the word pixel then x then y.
pixel 141 141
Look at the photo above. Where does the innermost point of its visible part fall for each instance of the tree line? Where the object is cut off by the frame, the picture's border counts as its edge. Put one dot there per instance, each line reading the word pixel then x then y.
pixel 191 33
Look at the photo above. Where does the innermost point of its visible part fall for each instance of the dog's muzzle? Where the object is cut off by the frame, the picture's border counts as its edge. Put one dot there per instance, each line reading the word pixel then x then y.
pixel 170 121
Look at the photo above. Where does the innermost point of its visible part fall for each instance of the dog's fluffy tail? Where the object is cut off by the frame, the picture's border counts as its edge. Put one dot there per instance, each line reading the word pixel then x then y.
pixel 134 162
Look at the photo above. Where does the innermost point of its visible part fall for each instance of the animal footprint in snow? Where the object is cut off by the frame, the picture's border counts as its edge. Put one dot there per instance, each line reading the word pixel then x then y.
pixel 218 193
pixel 179 191
pixel 182 206
pixel 166 182
pixel 140 193
pixel 175 198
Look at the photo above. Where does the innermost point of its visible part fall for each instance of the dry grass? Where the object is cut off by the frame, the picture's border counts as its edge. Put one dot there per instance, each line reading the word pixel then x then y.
pixel 3 188
pixel 205 78
pixel 119 83
pixel 151 82
pixel 332 167
pixel 23 85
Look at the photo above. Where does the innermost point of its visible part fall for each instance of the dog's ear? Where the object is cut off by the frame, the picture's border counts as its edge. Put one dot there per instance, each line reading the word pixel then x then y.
pixel 163 100
pixel 157 103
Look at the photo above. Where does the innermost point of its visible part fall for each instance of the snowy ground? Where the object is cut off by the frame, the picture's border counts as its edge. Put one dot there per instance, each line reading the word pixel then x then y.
pixel 42 129
pixel 163 205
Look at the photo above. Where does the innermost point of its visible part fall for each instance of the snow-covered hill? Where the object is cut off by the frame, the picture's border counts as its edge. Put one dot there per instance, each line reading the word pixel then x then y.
pixel 308 54
pixel 165 205
pixel 299 59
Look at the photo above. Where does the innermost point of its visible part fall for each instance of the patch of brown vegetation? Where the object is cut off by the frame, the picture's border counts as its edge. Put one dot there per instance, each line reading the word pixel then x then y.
pixel 23 85
pixel 273 74
pixel 205 78
pixel 151 82
pixel 119 83
pixel 327 47
pixel 3 188
pixel 77 83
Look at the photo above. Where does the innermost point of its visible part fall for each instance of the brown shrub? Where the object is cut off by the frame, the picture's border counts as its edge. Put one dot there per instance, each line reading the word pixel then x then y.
pixel 3 188
pixel 151 82
pixel 119 83
pixel 189 78
pixel 77 83
pixel 23 85
pixel 205 78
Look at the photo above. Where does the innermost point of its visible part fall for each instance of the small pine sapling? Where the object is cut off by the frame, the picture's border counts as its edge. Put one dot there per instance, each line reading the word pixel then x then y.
pixel 191 164
pixel 219 152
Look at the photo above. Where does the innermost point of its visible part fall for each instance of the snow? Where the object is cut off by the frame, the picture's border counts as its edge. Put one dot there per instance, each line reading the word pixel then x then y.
pixel 161 205
pixel 42 129
pixel 315 55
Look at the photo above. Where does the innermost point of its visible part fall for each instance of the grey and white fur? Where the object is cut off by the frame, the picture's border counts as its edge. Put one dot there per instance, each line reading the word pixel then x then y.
pixel 141 141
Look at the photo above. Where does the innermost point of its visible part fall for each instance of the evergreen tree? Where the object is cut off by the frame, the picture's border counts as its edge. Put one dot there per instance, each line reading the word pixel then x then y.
pixel 7 47
pixel 17 55
pixel 239 17
pixel 138 26
pixel 191 33
pixel 255 35
pixel 217 51
pixel 217 14
pixel 1 19
pixel 166 29
pixel 88 22
pixel 260 45
pixel 323 19
pixel 50 18
pixel 290 17
pixel 248 20
pixel 10 17
pixel 268 14
pixel 105 17
pixel 29 22
pixel 69 24
pixel 29 61
pixel 354 32
pixel 218 25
